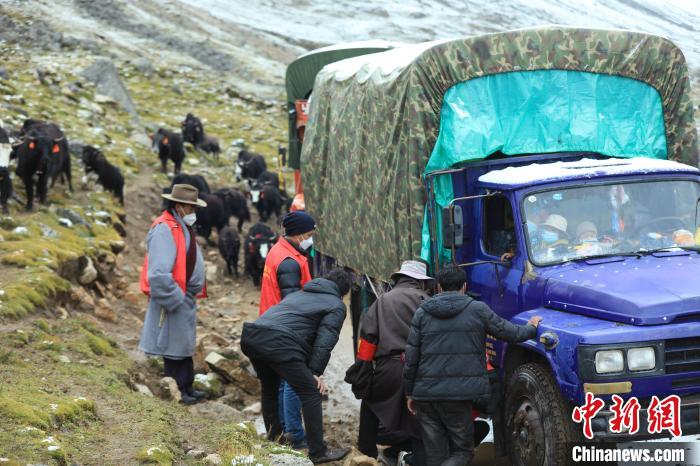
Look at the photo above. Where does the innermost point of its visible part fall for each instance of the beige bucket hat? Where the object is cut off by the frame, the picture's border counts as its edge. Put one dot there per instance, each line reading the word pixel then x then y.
pixel 413 269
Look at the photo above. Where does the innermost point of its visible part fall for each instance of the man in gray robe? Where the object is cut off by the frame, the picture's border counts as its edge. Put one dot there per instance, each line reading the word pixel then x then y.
pixel 173 276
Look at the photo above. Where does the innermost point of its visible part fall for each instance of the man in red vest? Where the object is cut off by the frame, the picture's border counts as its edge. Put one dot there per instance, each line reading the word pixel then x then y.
pixel 286 265
pixel 286 271
pixel 173 277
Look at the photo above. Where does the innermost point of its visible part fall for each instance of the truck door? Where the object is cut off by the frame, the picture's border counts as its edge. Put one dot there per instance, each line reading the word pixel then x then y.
pixel 497 284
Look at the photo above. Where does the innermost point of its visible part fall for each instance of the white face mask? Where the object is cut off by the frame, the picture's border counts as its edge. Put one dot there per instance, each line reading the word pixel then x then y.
pixel 189 219
pixel 5 150
pixel 307 243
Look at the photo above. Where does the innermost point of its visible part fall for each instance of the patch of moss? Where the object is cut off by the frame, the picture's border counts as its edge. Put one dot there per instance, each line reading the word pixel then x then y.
pixel 28 290
pixel 99 345
pixel 8 357
pixel 75 411
pixel 42 325
pixel 24 413
pixel 242 440
pixel 155 455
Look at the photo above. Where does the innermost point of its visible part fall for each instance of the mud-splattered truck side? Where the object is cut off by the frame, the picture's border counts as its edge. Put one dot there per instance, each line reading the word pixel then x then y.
pixel 557 167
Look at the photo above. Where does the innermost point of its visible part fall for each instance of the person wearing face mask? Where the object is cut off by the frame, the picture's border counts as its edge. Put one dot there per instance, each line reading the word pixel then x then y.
pixel 287 271
pixel 384 330
pixel 286 266
pixel 173 277
pixel 445 368
pixel 553 237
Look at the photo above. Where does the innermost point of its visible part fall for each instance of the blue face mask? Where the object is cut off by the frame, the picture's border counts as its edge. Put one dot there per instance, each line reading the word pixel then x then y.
pixel 549 236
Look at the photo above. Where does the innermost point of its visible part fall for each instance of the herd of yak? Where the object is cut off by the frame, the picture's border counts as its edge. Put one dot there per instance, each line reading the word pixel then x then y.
pixel 43 157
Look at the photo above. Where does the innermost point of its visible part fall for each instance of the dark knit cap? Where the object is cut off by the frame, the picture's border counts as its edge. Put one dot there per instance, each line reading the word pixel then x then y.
pixel 298 223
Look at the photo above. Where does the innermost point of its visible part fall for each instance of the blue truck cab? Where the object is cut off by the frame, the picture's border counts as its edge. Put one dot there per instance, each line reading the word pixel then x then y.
pixel 618 289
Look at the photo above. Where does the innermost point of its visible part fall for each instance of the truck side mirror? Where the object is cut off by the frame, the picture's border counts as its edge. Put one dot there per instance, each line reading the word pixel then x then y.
pixel 452 226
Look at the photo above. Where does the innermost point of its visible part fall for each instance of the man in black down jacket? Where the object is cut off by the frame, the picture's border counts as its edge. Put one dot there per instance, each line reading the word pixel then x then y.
pixel 292 341
pixel 446 369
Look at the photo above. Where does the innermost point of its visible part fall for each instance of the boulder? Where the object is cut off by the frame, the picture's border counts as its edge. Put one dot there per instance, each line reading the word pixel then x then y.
pixel 106 265
pixel 357 459
pixel 287 459
pixel 47 231
pixel 217 411
pixel 143 65
pixel 88 272
pixel 199 358
pixel 142 389
pixel 73 216
pixel 216 339
pixel 117 246
pixel 82 297
pixel 213 459
pixel 254 409
pixel 65 222
pixel 132 298
pixel 233 371
pixel 104 311
pixel 169 390
pixel 212 271
pixel 107 82
pixel 196 454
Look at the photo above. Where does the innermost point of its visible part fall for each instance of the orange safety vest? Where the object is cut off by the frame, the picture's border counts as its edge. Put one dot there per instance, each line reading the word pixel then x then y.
pixel 180 267
pixel 270 294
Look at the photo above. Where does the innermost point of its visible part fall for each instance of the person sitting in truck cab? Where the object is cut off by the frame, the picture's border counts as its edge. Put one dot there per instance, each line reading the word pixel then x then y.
pixel 587 243
pixel 554 238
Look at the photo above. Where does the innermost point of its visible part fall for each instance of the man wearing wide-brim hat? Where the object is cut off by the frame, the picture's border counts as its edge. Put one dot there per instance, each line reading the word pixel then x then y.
pixel 384 331
pixel 173 277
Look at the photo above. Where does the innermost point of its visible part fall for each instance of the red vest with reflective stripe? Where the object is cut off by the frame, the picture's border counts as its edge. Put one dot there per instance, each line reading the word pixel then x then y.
pixel 180 266
pixel 270 293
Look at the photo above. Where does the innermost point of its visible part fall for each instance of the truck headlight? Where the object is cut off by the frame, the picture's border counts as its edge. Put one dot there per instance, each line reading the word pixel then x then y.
pixel 641 359
pixel 608 361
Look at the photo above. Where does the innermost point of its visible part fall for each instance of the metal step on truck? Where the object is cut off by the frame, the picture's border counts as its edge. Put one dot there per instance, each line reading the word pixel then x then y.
pixel 558 167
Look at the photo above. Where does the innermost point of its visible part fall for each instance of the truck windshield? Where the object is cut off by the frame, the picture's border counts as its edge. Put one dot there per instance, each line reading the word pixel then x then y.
pixel 625 218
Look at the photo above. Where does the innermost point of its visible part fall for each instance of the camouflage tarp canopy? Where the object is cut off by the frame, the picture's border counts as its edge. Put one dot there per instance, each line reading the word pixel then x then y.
pixel 301 73
pixel 375 121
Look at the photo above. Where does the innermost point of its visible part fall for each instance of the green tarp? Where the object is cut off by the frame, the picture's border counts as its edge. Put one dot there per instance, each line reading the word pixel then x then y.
pixel 301 73
pixel 375 121
pixel 530 112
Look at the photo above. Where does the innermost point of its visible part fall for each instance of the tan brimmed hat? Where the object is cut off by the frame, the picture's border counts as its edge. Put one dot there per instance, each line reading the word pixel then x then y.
pixel 185 194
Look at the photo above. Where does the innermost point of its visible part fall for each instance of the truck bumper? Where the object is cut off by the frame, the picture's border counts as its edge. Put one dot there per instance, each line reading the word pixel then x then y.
pixel 690 422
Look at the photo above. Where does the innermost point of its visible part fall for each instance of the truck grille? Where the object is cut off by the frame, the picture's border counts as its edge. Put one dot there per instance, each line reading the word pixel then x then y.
pixel 682 355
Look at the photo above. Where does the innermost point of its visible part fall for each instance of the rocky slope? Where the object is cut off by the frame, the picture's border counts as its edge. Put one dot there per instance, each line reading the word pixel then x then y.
pixel 74 389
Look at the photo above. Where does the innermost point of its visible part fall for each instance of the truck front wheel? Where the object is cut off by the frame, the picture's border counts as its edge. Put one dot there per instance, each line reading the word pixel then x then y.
pixel 538 422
